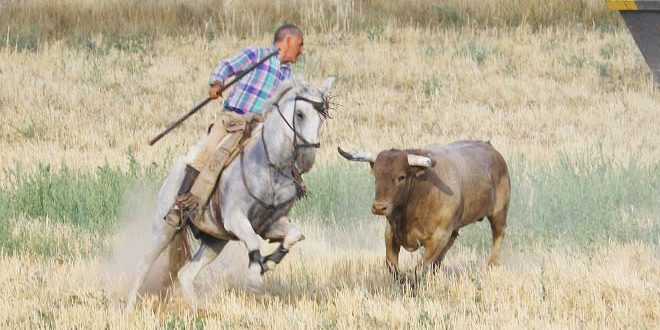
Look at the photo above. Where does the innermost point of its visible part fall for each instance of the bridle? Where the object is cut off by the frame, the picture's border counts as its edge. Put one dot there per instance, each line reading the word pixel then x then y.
pixel 318 106
pixel 296 174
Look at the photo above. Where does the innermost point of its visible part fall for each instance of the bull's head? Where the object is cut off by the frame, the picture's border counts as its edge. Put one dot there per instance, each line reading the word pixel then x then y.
pixel 394 171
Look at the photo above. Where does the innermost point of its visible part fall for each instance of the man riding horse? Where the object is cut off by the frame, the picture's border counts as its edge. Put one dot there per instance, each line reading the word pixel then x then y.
pixel 242 180
pixel 242 106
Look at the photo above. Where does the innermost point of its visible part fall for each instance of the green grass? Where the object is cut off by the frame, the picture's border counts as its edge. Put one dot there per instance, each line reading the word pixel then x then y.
pixel 89 200
pixel 591 199
pixel 579 201
pixel 476 51
pixel 87 203
pixel 337 195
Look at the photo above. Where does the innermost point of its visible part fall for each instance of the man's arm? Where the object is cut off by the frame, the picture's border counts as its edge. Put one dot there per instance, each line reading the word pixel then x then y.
pixel 230 67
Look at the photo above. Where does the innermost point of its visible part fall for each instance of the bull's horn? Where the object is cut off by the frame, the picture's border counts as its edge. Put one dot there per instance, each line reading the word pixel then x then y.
pixel 416 160
pixel 358 157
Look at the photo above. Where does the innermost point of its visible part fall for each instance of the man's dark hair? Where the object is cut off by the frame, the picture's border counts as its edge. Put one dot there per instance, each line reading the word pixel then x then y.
pixel 287 30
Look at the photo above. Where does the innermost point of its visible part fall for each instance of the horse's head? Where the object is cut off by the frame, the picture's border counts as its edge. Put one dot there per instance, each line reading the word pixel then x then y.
pixel 299 110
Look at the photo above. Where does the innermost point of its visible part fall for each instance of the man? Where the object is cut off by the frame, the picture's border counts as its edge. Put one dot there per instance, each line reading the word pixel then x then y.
pixel 244 102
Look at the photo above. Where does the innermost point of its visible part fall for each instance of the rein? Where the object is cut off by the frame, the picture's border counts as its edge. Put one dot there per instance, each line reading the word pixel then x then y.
pixel 270 208
pixel 297 135
pixel 295 173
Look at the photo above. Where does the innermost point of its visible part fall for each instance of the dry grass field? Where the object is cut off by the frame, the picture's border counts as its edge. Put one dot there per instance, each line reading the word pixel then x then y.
pixel 331 281
pixel 532 93
pixel 569 104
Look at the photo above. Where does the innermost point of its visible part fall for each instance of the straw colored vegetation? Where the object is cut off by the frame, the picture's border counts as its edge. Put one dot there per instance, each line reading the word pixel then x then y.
pixel 557 86
pixel 34 20
pixel 332 280
pixel 538 94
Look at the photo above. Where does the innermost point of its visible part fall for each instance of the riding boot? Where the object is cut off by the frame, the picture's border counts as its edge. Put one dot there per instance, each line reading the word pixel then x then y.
pixel 183 202
pixel 188 180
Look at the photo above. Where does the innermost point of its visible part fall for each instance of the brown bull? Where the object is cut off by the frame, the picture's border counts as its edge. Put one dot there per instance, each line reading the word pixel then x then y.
pixel 428 195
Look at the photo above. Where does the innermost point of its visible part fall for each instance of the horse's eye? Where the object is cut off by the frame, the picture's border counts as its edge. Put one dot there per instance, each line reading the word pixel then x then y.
pixel 401 178
pixel 300 115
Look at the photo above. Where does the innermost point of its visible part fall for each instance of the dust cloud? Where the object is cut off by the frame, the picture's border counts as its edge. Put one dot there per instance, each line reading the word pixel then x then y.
pixel 130 241
pixel 229 270
pixel 132 238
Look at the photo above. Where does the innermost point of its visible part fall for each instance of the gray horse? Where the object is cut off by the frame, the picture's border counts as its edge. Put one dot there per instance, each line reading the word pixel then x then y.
pixel 254 194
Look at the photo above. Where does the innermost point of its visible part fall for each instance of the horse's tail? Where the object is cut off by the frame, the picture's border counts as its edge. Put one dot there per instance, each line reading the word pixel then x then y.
pixel 179 252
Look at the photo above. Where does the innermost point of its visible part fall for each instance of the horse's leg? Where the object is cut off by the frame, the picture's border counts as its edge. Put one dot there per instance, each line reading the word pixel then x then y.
pixel 239 225
pixel 286 232
pixel 207 252
pixel 163 234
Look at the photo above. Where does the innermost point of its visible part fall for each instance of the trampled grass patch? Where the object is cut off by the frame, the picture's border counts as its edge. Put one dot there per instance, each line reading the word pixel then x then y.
pixel 581 201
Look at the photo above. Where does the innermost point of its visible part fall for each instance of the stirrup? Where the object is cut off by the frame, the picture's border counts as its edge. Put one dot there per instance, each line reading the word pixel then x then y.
pixel 175 218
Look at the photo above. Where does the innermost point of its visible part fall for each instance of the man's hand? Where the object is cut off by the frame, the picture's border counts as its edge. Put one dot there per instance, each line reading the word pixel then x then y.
pixel 214 92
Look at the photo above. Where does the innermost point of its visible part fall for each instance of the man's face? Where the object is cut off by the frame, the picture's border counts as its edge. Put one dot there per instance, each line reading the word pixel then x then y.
pixel 294 48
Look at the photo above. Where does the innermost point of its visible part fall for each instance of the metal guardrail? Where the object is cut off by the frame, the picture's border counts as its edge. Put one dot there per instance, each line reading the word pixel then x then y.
pixel 642 18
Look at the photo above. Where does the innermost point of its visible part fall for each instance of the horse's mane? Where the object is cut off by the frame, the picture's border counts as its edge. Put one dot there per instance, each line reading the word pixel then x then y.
pixel 282 89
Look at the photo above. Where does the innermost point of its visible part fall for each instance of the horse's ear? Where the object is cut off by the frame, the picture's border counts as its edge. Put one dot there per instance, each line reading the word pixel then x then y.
pixel 326 85
pixel 298 83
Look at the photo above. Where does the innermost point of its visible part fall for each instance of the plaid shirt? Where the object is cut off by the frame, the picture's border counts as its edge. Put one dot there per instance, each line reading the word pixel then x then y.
pixel 250 93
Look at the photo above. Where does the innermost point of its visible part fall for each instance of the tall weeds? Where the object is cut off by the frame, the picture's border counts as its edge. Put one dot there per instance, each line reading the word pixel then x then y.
pixel 26 24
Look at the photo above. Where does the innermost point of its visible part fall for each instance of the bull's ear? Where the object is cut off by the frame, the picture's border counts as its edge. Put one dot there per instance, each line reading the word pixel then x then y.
pixel 418 171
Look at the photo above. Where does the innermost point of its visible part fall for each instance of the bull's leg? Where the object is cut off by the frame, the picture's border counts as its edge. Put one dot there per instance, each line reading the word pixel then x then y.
pixel 436 247
pixel 286 232
pixel 207 252
pixel 163 233
pixel 392 252
pixel 239 225
pixel 441 257
pixel 498 226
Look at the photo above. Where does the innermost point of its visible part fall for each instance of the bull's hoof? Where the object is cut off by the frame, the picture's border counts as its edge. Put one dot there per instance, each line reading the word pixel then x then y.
pixel 407 283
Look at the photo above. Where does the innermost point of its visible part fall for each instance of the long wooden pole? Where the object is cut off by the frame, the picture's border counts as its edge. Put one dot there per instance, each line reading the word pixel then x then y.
pixel 203 103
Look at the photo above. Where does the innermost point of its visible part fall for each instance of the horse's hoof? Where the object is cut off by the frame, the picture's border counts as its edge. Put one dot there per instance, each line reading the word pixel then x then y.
pixel 256 288
pixel 269 265
pixel 256 285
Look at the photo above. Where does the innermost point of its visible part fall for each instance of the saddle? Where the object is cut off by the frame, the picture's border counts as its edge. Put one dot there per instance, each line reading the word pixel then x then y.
pixel 239 133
